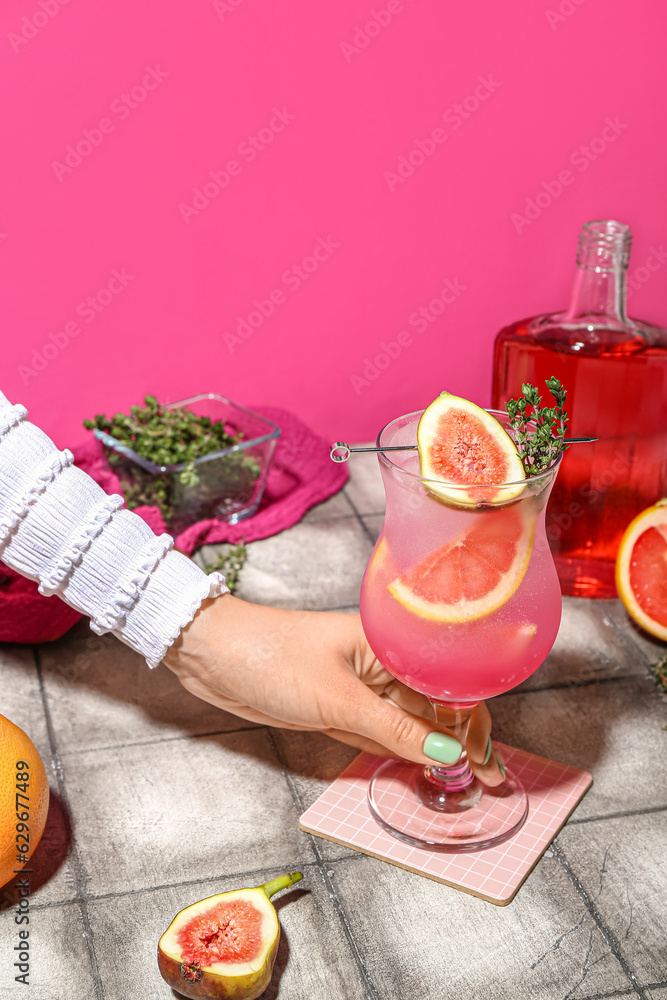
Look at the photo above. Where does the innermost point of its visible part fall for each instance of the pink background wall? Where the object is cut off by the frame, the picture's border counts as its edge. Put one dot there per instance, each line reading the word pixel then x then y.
pixel 338 97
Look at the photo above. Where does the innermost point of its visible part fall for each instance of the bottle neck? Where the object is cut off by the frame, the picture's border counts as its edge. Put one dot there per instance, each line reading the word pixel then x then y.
pixel 596 322
pixel 599 297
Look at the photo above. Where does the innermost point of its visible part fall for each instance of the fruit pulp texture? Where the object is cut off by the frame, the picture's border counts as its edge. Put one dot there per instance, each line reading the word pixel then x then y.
pixel 456 662
pixel 617 392
pixel 457 445
pixel 231 931
pixel 648 573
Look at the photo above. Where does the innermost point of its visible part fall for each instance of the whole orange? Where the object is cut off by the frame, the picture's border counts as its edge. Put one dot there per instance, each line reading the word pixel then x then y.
pixel 24 799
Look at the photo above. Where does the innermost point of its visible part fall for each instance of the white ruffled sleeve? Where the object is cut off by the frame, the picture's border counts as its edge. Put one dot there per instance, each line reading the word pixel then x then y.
pixel 59 527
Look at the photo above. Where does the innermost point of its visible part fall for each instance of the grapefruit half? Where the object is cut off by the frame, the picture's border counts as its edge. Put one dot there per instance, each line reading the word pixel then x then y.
pixel 641 569
pixel 475 573
pixel 460 443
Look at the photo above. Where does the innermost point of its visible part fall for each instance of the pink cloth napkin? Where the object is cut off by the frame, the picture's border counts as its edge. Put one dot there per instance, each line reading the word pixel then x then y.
pixel 28 616
pixel 302 475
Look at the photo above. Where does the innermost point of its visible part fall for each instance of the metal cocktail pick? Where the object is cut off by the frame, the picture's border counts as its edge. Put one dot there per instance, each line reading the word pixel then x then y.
pixel 340 451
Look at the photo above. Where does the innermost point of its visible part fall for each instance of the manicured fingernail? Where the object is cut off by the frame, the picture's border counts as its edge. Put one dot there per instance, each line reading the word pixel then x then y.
pixel 500 766
pixel 489 747
pixel 445 749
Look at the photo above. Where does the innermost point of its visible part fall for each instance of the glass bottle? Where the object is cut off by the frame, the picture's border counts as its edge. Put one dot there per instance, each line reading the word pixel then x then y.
pixel 615 371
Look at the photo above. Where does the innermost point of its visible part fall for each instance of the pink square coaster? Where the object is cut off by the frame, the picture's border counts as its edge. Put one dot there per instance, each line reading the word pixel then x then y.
pixel 341 814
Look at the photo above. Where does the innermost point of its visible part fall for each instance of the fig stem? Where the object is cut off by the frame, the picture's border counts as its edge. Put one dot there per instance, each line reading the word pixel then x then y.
pixel 282 882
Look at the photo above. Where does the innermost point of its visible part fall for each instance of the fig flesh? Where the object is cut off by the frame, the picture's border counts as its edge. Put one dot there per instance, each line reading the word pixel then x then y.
pixel 224 945
pixel 461 445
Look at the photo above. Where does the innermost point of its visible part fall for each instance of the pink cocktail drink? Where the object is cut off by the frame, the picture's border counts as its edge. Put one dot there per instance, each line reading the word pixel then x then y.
pixel 470 653
pixel 461 602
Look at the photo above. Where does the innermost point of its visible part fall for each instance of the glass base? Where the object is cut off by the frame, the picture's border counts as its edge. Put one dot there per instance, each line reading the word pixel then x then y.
pixel 593 578
pixel 445 809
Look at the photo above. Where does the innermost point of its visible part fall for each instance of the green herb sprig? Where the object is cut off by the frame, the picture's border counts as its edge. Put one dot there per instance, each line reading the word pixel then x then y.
pixel 163 436
pixel 229 563
pixel 538 431
pixel 177 436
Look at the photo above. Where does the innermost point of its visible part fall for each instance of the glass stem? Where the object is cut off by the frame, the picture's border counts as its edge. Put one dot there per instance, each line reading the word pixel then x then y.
pixel 444 787
pixel 453 777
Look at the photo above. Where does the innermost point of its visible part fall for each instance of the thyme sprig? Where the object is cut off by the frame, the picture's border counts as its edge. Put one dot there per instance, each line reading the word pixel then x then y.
pixel 164 436
pixel 538 431
pixel 168 437
pixel 230 562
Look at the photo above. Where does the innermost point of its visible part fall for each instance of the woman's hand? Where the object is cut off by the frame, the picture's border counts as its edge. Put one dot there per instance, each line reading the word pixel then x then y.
pixel 314 670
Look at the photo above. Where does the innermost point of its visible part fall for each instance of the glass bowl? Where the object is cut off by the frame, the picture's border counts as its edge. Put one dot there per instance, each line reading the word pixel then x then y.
pixel 226 484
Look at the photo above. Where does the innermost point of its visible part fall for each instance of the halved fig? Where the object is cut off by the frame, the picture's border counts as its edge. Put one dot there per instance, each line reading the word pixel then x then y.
pixel 224 945
pixel 460 444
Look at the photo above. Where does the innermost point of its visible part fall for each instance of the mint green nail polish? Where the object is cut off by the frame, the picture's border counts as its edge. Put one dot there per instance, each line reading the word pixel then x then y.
pixel 489 747
pixel 500 767
pixel 445 749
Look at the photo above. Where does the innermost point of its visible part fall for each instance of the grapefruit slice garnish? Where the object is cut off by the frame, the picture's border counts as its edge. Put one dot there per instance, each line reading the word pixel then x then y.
pixel 460 443
pixel 475 573
pixel 381 560
pixel 379 556
pixel 641 569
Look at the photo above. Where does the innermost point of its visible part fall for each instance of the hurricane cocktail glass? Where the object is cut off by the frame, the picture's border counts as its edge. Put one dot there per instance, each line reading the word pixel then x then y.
pixel 460 601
